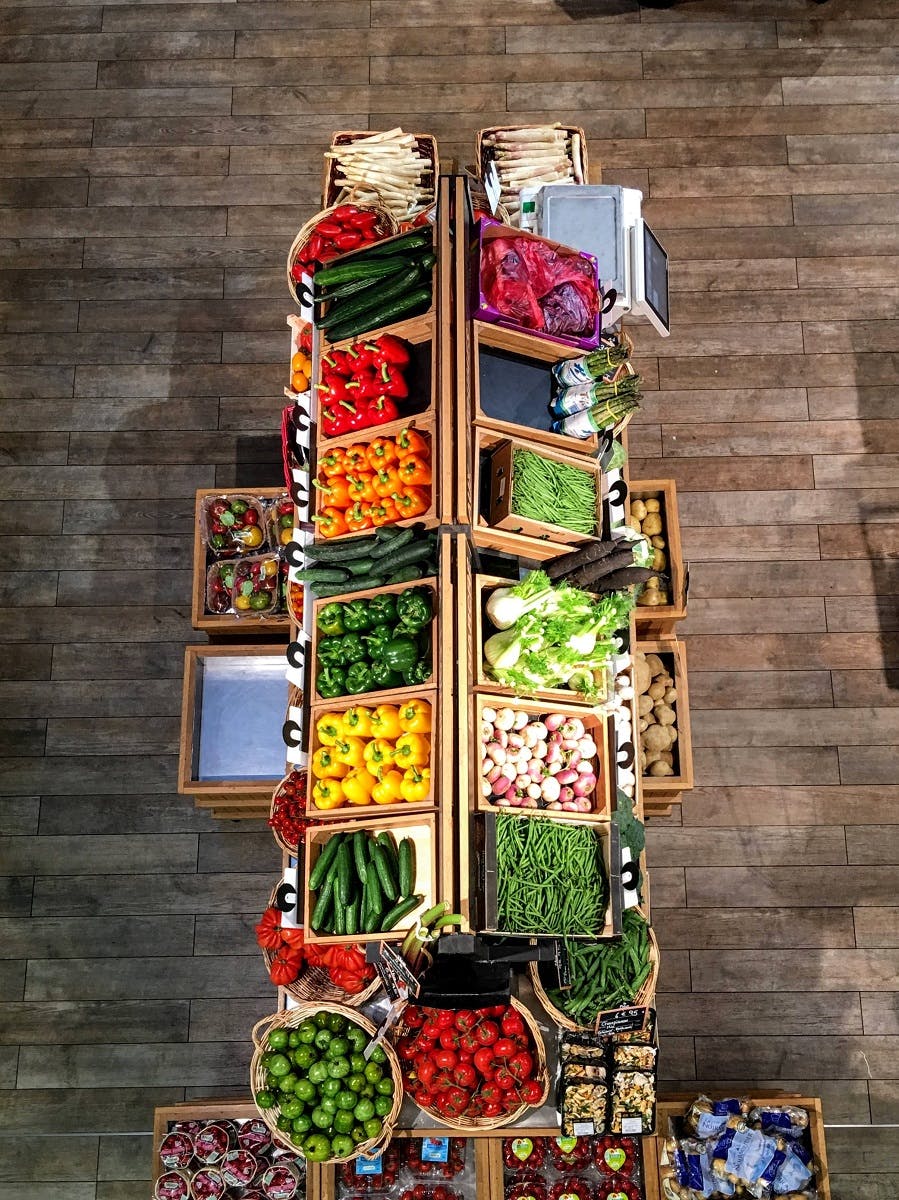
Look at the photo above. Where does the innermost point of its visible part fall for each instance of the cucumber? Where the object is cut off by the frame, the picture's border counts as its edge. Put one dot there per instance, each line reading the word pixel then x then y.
pixel 394 310
pixel 401 537
pixel 338 291
pixel 385 875
pixel 361 584
pixel 352 917
pixel 387 533
pixel 374 899
pixel 407 866
pixel 392 561
pixel 349 272
pixel 324 860
pixel 342 870
pixel 372 922
pixel 360 566
pixel 359 840
pixel 347 311
pixel 328 552
pixel 324 574
pixel 409 241
pixel 339 915
pixel 322 904
pixel 405 575
pixel 399 911
pixel 388 845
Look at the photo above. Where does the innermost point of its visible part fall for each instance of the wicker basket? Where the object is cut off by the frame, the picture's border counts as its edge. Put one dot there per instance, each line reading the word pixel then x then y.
pixel 284 845
pixel 481 156
pixel 314 984
pixel 387 227
pixel 644 996
pixel 290 1018
pixel 474 1124
pixel 427 145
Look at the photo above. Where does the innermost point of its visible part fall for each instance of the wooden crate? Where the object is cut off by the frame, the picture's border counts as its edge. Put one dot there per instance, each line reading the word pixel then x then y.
pixel 598 727
pixel 421 827
pixel 418 332
pixel 430 582
pixel 522 345
pixel 380 811
pixel 485 1142
pixel 227 623
pixel 508 532
pixel 673 1106
pixel 661 618
pixel 481 587
pixel 666 788
pixel 232 798
pixel 446 337
pixel 424 426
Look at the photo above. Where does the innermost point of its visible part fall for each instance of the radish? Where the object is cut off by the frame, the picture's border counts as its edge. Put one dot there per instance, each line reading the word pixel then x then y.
pixel 504 719
pixel 550 788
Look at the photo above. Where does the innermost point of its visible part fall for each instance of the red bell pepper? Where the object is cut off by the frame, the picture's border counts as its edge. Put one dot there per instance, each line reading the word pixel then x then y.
pixel 389 349
pixel 392 381
pixel 382 410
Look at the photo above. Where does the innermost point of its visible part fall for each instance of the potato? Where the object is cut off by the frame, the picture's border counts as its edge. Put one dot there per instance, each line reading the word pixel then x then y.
pixel 668 757
pixel 659 561
pixel 664 715
pixel 642 763
pixel 656 691
pixel 633 523
pixel 658 543
pixel 663 597
pixel 649 719
pixel 649 598
pixel 664 679
pixel 642 674
pixel 644 704
pixel 651 756
pixel 660 768
pixel 652 524
pixel 652 506
pixel 638 510
pixel 643 724
pixel 672 729
pixel 655 664
pixel 656 738
pixel 670 695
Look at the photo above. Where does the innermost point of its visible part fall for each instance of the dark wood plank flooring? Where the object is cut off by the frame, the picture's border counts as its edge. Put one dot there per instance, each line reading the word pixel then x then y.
pixel 159 158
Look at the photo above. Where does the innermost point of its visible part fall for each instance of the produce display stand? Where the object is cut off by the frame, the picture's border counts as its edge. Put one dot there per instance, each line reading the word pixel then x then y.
pixel 480 392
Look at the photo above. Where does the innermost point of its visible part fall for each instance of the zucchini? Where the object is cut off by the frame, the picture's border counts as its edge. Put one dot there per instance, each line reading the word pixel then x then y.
pixel 349 272
pixel 394 310
pixel 385 875
pixel 324 860
pixel 407 867
pixel 359 840
pixel 322 904
pixel 342 871
pixel 346 311
pixel 409 241
pixel 399 911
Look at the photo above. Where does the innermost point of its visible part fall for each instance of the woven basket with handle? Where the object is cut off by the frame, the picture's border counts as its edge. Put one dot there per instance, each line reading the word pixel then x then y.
pixel 387 227
pixel 289 1019
pixel 644 996
pixel 541 1073
pixel 427 145
pixel 315 984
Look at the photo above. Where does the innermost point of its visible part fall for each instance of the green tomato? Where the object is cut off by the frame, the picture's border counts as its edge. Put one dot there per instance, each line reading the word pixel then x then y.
pixel 357 1038
pixel 338 1048
pixel 266 1058
pixel 356 1082
pixel 377 1055
pixel 346 1099
pixel 306 1032
pixel 265 1099
pixel 271 1083
pixel 284 1124
pixel 301 1124
pixel 305 1090
pixel 372 1127
pixel 292 1108
pixel 342 1146
pixel 343 1121
pixel 329 1104
pixel 383 1105
pixel 358 1062
pixel 364 1110
pixel 323 1039
pixel 321 1020
pixel 373 1072
pixel 338 1068
pixel 288 1082
pixel 336 1022
pixel 384 1087
pixel 279 1065
pixel 316 1147
pixel 357 1133
pixel 321 1118
pixel 293 1040
pixel 330 1087
pixel 318 1073
pixel 304 1057
pixel 278 1038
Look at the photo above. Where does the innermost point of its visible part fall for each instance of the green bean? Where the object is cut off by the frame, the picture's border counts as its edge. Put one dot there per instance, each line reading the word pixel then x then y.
pixel 605 974
pixel 552 492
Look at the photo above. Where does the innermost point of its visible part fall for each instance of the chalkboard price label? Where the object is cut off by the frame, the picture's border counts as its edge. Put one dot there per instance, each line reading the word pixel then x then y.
pixel 621 1020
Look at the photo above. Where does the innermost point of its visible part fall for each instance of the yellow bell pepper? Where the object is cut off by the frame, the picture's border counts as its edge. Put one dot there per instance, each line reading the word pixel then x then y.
pixel 378 754
pixel 357 721
pixel 328 793
pixel 385 721
pixel 412 750
pixel 329 728
pixel 358 786
pixel 325 764
pixel 388 789
pixel 415 716
pixel 349 751
pixel 416 784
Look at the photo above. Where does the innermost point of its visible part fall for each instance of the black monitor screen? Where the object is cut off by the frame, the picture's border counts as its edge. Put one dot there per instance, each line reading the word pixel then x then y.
pixel 656 270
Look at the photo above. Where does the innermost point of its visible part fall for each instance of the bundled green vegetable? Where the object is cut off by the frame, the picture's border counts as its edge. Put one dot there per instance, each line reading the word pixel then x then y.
pixel 605 975
pixel 552 492
pixel 553 636
pixel 386 557
pixel 552 878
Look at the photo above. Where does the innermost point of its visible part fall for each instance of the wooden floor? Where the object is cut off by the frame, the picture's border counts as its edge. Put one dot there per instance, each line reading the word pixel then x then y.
pixel 159 159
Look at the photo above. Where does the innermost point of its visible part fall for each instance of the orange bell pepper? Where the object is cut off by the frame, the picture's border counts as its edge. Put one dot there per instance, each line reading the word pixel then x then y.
pixel 334 491
pixel 362 488
pixel 386 482
pixel 415 716
pixel 411 502
pixel 384 512
pixel 358 517
pixel 409 442
pixel 356 458
pixel 414 470
pixel 382 453
pixel 332 463
pixel 331 522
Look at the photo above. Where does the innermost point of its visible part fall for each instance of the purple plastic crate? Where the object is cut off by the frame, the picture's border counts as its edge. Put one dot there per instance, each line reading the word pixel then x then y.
pixel 482 310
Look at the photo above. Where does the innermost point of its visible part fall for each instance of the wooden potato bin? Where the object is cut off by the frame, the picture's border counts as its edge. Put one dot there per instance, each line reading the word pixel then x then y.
pixel 660 618
pixel 231 751
pixel 662 790
pixel 495 525
pixel 250 624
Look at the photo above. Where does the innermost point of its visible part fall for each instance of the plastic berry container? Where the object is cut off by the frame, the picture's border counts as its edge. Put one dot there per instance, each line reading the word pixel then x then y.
pixel 280 1182
pixel 618 1188
pixel 254 1135
pixel 233 524
pixel 381 1182
pixel 571 1187
pixel 280 521
pixel 613 1155
pixel 212 1143
pixel 524 1153
pixel 527 1187
pixel 238 1168
pixel 423 1168
pixel 256 586
pixel 220 587
pixel 570 1153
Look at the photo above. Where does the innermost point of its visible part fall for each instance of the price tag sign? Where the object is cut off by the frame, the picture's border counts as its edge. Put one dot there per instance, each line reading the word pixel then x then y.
pixel 631 1125
pixel 622 1020
pixel 295 671
pixel 398 978
pixel 435 1149
pixel 492 186
pixel 583 1128
pixel 369 1164
pixel 563 965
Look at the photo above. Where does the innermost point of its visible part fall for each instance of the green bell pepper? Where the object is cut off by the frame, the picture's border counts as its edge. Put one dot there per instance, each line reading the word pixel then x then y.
pixel 382 609
pixel 330 619
pixel 331 682
pixel 414 609
pixel 419 673
pixel 376 639
pixel 385 677
pixel 356 618
pixel 352 648
pixel 400 654
pixel 359 678
pixel 330 651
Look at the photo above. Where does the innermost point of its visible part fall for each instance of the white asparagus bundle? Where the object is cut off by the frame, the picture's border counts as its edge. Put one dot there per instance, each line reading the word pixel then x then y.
pixel 388 169
pixel 531 157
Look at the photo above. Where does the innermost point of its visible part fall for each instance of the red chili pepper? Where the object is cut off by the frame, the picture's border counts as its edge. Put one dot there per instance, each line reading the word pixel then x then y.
pixel 350 239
